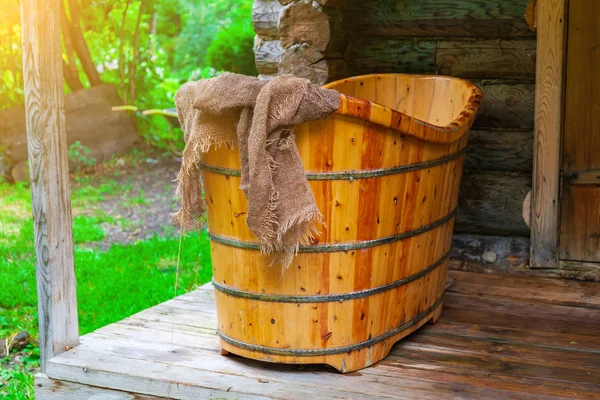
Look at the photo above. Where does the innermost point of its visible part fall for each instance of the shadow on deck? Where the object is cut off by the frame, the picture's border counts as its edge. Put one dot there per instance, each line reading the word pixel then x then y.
pixel 499 337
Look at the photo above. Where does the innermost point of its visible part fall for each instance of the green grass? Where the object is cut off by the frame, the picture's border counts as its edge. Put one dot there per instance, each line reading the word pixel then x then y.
pixel 136 201
pixel 19 382
pixel 111 284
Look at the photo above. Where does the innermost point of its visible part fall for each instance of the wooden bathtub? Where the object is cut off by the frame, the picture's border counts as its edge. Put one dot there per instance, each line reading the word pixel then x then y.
pixel 385 171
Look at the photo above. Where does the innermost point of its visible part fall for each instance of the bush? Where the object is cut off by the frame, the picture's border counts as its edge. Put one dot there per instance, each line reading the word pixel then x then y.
pixel 232 48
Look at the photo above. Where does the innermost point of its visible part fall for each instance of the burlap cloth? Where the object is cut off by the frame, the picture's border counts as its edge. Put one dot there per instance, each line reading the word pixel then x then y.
pixel 258 117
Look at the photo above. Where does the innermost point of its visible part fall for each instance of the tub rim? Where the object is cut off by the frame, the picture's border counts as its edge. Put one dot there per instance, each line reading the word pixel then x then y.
pixel 390 118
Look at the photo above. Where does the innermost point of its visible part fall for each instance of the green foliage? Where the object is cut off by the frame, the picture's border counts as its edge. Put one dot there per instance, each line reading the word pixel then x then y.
pixel 80 155
pixel 232 48
pixel 11 74
pixel 217 35
pixel 178 40
pixel 191 39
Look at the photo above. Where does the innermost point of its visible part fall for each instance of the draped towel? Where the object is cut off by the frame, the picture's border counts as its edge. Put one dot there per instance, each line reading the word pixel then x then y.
pixel 259 117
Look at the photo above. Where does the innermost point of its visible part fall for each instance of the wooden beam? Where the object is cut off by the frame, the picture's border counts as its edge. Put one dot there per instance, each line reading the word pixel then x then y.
pixel 491 19
pixel 479 59
pixel 368 55
pixel 499 150
pixel 302 37
pixel 491 202
pixel 580 270
pixel 551 32
pixel 505 105
pixel 51 204
pixel 304 22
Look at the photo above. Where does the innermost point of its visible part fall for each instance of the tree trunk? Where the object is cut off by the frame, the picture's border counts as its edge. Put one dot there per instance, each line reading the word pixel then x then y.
pixel 153 33
pixel 69 68
pixel 121 55
pixel 81 47
pixel 136 54
pixel 71 77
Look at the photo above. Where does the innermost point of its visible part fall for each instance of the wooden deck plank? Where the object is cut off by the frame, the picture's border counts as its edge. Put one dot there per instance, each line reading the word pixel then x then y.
pixel 554 291
pixel 507 353
pixel 149 377
pixel 509 313
pixel 474 368
pixel 496 334
pixel 492 310
pixel 362 383
pixel 457 359
pixel 511 360
pixel 519 357
pixel 484 379
pixel 498 338
pixel 195 382
pixel 193 336
pixel 51 389
pixel 369 384
pixel 165 333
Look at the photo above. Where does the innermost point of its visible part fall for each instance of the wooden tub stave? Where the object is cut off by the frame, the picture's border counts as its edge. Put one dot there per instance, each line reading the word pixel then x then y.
pixel 377 271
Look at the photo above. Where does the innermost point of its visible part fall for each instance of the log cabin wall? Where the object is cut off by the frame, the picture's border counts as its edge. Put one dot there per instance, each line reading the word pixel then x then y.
pixel 487 42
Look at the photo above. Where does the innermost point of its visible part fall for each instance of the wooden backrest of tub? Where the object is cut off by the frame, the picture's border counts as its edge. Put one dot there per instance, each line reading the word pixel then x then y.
pixel 433 108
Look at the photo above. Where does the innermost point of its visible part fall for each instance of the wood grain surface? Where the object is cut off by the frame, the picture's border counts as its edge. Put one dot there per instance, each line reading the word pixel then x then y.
pixel 435 18
pixel 492 201
pixel 51 204
pixel 580 203
pixel 506 105
pixel 384 122
pixel 497 59
pixel 549 104
pixel 499 337
pixel 265 18
pixel 500 150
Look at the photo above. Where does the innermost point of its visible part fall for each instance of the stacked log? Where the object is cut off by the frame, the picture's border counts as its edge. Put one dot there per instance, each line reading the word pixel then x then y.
pixel 301 37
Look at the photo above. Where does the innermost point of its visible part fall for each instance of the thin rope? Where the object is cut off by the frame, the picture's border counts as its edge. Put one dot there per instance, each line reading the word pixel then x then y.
pixel 173 309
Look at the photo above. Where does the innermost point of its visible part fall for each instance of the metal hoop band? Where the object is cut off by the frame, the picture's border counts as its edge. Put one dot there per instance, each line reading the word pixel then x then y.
pixel 334 350
pixel 350 175
pixel 331 248
pixel 280 298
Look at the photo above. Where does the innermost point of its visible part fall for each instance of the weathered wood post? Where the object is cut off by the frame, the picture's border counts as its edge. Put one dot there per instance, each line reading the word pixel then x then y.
pixel 51 204
pixel 549 103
